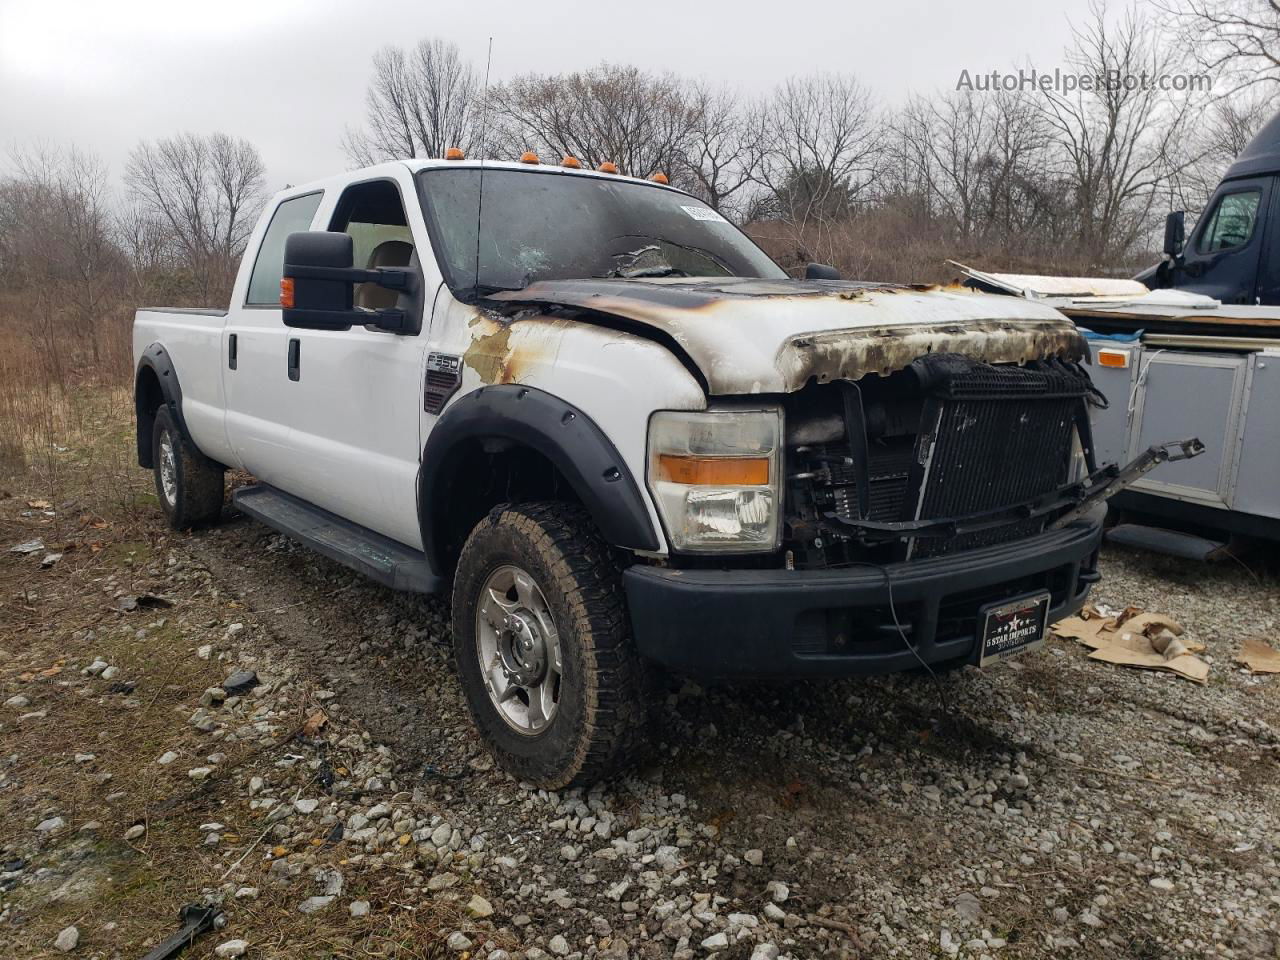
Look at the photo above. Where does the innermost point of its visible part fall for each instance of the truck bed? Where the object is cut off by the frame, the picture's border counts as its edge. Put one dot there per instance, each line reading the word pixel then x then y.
pixel 191 342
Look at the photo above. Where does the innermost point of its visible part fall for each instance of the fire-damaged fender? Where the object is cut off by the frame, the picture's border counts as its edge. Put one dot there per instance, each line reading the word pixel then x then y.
pixel 155 383
pixel 560 432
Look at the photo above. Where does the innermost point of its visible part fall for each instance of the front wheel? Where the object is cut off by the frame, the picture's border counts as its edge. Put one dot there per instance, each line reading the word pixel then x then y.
pixel 543 646
pixel 189 484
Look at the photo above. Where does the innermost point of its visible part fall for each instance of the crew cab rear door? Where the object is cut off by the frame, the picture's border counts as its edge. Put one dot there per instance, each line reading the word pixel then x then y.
pixel 255 349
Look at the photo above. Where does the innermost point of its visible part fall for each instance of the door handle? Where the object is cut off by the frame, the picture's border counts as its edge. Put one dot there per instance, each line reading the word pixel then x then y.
pixel 295 358
pixel 232 352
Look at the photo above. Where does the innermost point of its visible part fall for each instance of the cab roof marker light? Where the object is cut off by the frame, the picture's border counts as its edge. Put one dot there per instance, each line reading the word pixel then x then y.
pixel 608 167
pixel 454 153
pixel 529 157
pixel 573 163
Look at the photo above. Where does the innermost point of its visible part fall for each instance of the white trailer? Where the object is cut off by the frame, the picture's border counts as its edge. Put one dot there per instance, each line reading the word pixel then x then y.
pixel 1171 363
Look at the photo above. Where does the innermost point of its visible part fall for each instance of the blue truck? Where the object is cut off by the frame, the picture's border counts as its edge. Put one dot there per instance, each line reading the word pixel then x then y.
pixel 1234 252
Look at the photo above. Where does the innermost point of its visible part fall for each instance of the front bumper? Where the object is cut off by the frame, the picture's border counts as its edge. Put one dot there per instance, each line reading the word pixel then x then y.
pixel 828 623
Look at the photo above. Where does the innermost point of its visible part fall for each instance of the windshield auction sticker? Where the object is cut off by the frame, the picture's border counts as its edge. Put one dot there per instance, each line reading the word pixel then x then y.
pixel 702 213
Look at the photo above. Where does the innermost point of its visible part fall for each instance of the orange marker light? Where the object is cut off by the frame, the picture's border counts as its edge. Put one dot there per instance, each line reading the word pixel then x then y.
pixel 1113 358
pixel 660 178
pixel 713 471
pixel 528 157
pixel 572 163
pixel 608 167
pixel 454 153
pixel 286 292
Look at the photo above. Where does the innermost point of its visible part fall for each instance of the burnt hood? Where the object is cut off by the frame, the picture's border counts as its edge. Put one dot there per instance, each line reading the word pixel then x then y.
pixel 773 336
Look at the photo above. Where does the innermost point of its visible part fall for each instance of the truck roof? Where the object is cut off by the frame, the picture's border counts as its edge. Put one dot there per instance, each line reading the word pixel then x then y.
pixel 1262 155
pixel 416 164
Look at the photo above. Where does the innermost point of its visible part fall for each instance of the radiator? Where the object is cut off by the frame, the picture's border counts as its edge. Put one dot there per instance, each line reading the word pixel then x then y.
pixel 992 437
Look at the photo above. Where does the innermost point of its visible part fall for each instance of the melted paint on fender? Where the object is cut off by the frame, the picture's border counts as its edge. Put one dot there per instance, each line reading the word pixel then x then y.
pixel 504 349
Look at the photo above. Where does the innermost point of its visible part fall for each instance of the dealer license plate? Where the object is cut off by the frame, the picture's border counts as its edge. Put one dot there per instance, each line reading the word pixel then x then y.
pixel 1013 627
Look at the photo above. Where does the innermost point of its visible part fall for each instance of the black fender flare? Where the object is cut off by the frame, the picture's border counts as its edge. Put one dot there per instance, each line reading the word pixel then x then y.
pixel 559 431
pixel 156 359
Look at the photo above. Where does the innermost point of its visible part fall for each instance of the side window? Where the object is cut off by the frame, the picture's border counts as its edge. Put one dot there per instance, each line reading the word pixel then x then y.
pixel 1231 223
pixel 367 237
pixel 292 216
pixel 373 214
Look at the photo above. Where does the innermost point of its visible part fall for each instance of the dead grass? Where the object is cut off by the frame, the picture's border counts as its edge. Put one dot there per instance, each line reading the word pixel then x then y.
pixel 892 246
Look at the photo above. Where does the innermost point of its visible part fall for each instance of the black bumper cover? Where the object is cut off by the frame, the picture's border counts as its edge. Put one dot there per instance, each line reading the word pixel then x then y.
pixel 827 623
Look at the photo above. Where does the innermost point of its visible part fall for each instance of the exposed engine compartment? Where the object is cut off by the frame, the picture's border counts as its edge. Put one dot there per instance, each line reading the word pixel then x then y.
pixel 878 470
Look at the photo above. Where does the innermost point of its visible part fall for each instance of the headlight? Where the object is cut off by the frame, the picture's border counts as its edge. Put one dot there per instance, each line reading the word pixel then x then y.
pixel 715 476
pixel 1078 468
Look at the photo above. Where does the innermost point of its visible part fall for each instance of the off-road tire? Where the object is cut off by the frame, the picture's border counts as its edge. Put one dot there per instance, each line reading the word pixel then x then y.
pixel 599 724
pixel 198 482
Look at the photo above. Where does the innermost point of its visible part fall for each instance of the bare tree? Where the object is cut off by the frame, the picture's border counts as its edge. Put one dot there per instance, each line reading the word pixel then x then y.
pixel 1022 197
pixel 420 102
pixel 148 248
pixel 1239 39
pixel 208 191
pixel 822 151
pixel 56 218
pixel 1118 138
pixel 1212 143
pixel 966 175
pixel 643 122
pixel 722 152
pixel 822 145
pixel 946 140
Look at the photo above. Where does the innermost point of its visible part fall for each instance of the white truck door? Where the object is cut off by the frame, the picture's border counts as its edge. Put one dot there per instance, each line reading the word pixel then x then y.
pixel 254 352
pixel 354 403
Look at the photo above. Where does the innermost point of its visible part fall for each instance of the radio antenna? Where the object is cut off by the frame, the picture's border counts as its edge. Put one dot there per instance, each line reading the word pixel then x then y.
pixel 484 149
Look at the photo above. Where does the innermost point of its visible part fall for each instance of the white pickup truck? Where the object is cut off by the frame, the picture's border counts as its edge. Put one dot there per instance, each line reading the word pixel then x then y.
pixel 603 418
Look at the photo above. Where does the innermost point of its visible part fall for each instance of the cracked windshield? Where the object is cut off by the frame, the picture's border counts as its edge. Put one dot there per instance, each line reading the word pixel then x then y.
pixel 546 226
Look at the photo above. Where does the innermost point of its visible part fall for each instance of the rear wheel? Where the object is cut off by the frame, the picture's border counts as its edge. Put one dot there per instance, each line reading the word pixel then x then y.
pixel 543 648
pixel 189 484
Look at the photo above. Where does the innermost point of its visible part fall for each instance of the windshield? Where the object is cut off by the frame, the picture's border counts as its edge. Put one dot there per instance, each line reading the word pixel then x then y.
pixel 554 226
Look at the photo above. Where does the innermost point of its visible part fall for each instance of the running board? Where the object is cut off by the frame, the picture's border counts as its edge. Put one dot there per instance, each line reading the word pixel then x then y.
pixel 378 557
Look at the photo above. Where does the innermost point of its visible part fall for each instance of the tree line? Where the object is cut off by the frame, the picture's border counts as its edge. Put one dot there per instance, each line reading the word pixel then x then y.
pixel 1080 176
pixel 820 168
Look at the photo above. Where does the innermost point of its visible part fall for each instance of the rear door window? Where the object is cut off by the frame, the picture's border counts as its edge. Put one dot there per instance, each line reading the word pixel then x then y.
pixel 1231 224
pixel 292 216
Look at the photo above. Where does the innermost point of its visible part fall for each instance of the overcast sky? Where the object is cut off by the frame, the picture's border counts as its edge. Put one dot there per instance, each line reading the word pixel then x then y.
pixel 288 75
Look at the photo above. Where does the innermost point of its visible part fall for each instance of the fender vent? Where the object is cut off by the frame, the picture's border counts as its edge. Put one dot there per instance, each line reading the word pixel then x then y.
pixel 444 376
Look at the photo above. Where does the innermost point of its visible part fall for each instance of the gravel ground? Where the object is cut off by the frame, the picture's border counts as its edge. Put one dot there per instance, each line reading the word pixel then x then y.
pixel 1052 806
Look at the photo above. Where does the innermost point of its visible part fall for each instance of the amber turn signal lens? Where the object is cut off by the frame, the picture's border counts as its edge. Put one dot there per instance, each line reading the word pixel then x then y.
pixel 454 153
pixel 660 178
pixel 573 163
pixel 286 292
pixel 608 167
pixel 1113 358
pixel 714 471
pixel 528 157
